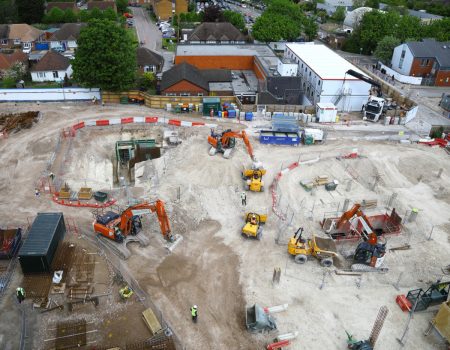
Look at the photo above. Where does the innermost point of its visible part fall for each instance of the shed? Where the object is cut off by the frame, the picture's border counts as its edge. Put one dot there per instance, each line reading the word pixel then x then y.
pixel 279 138
pixel 38 250
pixel 326 112
pixel 211 103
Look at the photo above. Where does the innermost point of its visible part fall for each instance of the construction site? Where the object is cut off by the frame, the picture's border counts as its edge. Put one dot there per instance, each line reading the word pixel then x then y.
pixel 116 220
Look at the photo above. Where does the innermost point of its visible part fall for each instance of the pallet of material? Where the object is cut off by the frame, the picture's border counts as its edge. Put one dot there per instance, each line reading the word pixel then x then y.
pixel 151 321
pixel 321 180
pixel 307 184
pixel 85 193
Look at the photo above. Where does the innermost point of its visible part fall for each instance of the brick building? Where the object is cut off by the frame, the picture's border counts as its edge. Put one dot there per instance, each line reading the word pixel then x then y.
pixel 429 59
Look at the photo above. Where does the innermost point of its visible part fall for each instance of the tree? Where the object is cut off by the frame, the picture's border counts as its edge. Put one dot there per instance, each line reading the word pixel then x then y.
pixel 275 28
pixel 56 15
pixel 213 14
pixel 385 48
pixel 30 11
pixel 16 72
pixel 96 13
pixel 8 11
pixel 105 57
pixel 122 6
pixel 84 16
pixel 375 4
pixel 109 14
pixel 339 14
pixel 235 18
pixel 358 3
pixel 70 16
pixel 310 28
pixel 147 80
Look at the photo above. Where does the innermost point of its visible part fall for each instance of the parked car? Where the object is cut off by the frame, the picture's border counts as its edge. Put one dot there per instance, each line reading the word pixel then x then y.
pixel 130 22
pixel 59 49
pixel 128 15
pixel 169 36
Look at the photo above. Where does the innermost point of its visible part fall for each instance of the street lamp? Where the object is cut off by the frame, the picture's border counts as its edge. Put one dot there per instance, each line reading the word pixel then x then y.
pixel 360 50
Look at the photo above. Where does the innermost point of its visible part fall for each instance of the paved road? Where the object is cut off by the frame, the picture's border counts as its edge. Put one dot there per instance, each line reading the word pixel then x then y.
pixel 147 31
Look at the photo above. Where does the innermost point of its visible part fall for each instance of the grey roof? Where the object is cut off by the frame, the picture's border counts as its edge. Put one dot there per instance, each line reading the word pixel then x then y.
pixel 41 234
pixel 217 75
pixel 212 31
pixel 4 30
pixel 201 78
pixel 422 15
pixel 146 57
pixel 432 48
pixel 68 31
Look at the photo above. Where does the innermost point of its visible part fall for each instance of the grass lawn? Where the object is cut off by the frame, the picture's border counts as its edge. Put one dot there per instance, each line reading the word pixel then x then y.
pixel 166 44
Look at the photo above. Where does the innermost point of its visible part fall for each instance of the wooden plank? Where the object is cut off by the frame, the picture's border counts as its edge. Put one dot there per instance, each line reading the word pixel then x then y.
pixel 347 273
pixel 151 321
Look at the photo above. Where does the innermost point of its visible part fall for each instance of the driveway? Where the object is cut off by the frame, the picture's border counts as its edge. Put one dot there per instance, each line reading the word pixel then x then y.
pixel 147 31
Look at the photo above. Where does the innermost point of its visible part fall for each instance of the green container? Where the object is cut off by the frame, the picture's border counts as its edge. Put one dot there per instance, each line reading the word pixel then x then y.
pixel 177 109
pixel 124 100
pixel 309 140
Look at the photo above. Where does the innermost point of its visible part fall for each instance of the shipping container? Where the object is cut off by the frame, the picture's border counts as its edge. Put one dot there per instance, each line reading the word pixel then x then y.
pixel 279 138
pixel 326 112
pixel 38 250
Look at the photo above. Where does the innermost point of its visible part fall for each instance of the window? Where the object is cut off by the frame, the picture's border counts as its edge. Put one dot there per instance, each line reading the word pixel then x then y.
pixel 55 74
pixel 318 83
pixel 402 58
pixel 424 62
pixel 149 68
pixel 185 94
pixel 200 94
pixel 41 75
pixel 4 41
pixel 446 80
pixel 16 41
pixel 171 94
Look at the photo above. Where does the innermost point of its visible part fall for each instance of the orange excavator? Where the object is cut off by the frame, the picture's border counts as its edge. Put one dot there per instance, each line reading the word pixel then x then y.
pixel 224 142
pixel 118 226
pixel 345 223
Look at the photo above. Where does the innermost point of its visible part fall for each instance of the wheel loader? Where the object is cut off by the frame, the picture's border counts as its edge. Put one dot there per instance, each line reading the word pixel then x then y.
pixel 252 227
pixel 253 179
pixel 323 249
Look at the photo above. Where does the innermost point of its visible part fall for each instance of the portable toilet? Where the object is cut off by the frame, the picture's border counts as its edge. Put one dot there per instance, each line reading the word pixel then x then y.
pixel 326 112
pixel 211 103
pixel 249 116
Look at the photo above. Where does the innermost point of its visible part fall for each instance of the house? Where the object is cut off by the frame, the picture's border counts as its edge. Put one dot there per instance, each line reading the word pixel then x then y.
pixel 67 36
pixel 186 80
pixel 102 5
pixel 429 59
pixel 165 9
pixel 51 67
pixel 148 60
pixel 22 35
pixel 7 60
pixel 216 33
pixel 424 17
pixel 330 6
pixel 62 6
pixel 325 79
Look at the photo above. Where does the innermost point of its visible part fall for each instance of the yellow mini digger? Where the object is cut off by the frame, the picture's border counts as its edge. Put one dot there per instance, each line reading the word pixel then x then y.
pixel 253 179
pixel 252 227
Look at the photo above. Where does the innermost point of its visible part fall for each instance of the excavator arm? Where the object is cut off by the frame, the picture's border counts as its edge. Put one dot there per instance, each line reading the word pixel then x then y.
pixel 146 208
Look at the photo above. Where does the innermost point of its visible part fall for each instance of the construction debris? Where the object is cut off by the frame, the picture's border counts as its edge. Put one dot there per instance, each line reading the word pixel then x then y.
pixel 10 123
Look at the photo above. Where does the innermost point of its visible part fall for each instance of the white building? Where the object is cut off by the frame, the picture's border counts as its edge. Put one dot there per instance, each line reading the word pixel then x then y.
pixel 51 67
pixel 324 77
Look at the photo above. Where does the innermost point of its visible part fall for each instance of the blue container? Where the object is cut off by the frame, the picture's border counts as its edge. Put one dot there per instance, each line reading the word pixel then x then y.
pixel 231 113
pixel 249 116
pixel 219 114
pixel 279 138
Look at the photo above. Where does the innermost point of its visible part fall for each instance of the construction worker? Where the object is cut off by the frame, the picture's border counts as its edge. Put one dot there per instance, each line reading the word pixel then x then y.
pixel 194 313
pixel 244 199
pixel 37 193
pixel 51 176
pixel 20 293
pixel 253 219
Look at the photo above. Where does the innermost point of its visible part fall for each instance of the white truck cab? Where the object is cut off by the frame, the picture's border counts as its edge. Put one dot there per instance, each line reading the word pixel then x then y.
pixel 373 109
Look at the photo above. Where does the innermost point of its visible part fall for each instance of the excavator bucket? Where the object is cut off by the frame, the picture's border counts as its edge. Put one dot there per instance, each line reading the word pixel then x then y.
pixel 170 246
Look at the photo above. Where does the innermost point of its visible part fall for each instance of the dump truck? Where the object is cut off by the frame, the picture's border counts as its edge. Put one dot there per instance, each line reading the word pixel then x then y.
pixel 323 249
pixel 253 179
pixel 252 227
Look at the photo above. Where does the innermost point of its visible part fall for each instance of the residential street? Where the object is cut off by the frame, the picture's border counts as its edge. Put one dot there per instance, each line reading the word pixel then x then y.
pixel 147 31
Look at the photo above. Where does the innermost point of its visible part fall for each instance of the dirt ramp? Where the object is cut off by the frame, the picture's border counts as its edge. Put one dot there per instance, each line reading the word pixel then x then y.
pixel 204 271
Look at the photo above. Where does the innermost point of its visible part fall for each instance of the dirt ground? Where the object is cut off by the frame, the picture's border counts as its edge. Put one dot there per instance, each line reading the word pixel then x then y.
pixel 214 266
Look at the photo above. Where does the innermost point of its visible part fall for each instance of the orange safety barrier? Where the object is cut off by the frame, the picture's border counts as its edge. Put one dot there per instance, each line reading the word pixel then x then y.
pixel 79 204
pixel 278 345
